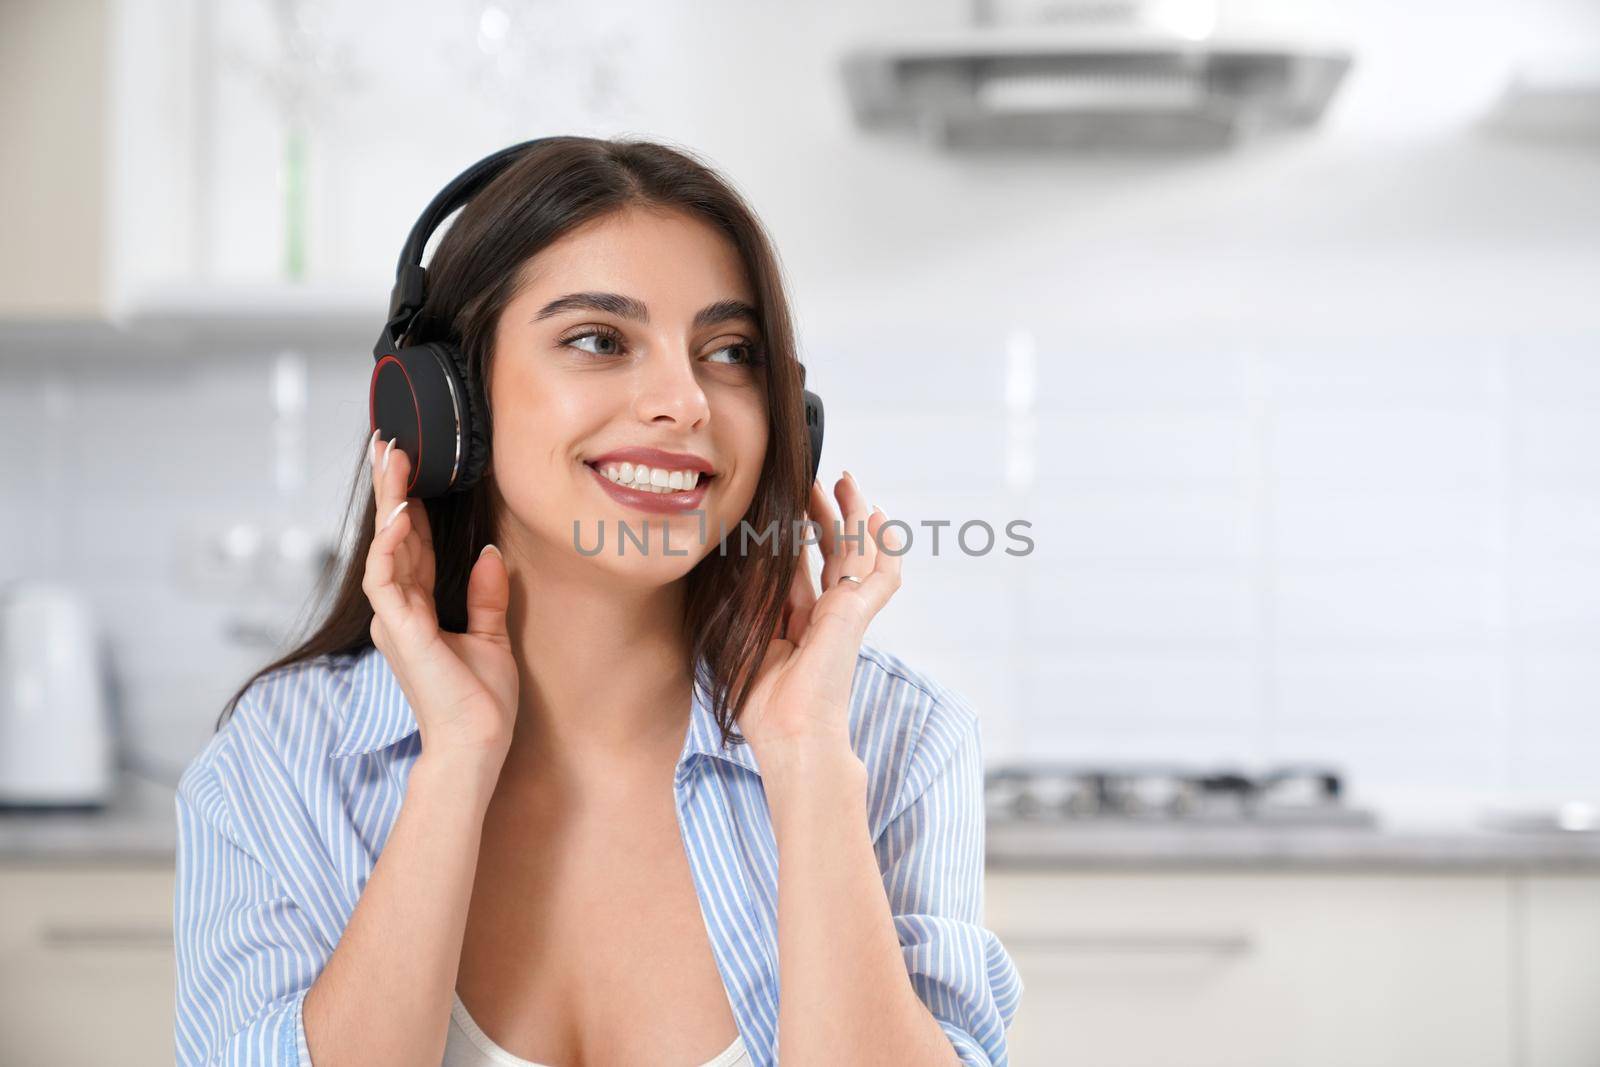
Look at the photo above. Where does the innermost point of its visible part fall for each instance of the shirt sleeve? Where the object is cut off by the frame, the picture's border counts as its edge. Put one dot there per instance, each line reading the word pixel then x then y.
pixel 246 954
pixel 931 854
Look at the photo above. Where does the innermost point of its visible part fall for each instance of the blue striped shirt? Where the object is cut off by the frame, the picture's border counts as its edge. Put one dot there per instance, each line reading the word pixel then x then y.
pixel 282 816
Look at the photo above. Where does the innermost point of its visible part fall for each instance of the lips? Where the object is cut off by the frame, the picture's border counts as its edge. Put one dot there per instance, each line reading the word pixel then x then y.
pixel 656 458
pixel 645 500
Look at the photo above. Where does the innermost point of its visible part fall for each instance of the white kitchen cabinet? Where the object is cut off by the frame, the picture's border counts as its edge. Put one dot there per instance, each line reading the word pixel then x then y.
pixel 86 965
pixel 1560 967
pixel 53 60
pixel 1263 970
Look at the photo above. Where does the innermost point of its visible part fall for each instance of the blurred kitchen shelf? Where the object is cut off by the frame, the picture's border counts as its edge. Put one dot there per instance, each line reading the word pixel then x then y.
pixel 318 315
pixel 200 320
pixel 56 336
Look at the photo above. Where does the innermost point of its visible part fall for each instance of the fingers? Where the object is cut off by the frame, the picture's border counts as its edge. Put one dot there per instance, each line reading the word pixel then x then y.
pixel 877 560
pixel 855 550
pixel 380 453
pixel 399 575
pixel 821 509
pixel 382 582
pixel 885 577
pixel 488 596
pixel 802 595
pixel 839 617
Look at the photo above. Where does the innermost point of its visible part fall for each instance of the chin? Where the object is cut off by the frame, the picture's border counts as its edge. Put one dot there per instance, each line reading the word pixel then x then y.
pixel 651 571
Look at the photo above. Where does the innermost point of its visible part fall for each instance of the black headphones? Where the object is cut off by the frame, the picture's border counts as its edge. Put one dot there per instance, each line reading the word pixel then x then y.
pixel 421 394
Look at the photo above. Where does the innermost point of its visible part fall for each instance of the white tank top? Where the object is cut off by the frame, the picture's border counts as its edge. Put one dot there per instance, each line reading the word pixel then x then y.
pixel 465 1045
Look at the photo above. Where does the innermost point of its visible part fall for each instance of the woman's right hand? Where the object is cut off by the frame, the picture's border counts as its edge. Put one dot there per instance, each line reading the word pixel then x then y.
pixel 462 687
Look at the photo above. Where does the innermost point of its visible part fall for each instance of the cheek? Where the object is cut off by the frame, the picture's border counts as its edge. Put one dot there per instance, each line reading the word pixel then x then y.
pixel 536 420
pixel 533 441
pixel 747 421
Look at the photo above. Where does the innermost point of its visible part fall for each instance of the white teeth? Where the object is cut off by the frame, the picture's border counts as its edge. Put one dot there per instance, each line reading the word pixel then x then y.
pixel 651 479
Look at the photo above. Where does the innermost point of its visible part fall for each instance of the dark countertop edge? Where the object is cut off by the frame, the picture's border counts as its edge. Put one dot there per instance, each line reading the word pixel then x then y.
pixel 1588 866
pixel 83 857
pixel 1277 864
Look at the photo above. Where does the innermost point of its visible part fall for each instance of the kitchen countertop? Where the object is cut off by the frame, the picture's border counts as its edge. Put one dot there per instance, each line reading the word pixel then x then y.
pixel 1418 849
pixel 140 826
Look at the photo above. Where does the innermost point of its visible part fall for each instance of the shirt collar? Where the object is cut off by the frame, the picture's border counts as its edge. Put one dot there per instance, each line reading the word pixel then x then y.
pixel 374 713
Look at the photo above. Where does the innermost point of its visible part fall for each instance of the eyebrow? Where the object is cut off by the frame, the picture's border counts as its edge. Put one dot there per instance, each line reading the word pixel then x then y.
pixel 629 308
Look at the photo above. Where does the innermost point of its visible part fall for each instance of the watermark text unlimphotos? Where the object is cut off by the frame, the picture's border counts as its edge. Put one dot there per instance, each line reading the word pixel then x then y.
pixel 974 537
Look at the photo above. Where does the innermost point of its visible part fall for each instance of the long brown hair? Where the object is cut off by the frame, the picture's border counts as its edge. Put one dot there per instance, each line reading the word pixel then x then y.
pixel 733 600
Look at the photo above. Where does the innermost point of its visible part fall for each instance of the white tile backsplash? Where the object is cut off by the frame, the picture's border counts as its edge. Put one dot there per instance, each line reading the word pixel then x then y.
pixel 1311 523
pixel 1242 564
pixel 1377 373
pixel 1553 524
pixel 1119 375
pixel 909 449
pixel 1152 447
pixel 1095 522
pixel 1556 447
pixel 1425 689
pixel 1379 755
pixel 1364 448
pixel 1388 605
pixel 1558 372
pixel 1155 691
pixel 1557 603
pixel 1115 607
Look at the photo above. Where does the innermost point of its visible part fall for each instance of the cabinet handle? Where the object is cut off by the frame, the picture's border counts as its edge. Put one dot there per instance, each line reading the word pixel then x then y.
pixel 1205 944
pixel 103 935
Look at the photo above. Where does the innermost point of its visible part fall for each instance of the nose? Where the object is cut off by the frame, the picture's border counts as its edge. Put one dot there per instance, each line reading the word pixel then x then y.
pixel 669 391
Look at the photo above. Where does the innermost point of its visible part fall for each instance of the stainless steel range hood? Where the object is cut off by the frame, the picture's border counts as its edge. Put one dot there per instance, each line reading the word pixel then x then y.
pixel 1088 88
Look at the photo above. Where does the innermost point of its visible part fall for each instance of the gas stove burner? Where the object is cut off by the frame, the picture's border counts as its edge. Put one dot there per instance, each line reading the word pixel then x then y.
pixel 1152 793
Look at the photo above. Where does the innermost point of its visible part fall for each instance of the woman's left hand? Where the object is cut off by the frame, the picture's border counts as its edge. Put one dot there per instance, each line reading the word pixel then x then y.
pixel 801 696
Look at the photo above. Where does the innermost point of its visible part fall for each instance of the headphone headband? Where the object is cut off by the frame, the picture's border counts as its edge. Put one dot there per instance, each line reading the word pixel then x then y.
pixel 411 278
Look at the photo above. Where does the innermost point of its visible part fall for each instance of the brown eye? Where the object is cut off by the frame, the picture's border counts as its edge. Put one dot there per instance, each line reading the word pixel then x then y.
pixel 747 355
pixel 612 344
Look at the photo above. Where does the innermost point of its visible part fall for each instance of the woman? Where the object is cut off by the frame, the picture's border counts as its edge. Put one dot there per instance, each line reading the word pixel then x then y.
pixel 518 801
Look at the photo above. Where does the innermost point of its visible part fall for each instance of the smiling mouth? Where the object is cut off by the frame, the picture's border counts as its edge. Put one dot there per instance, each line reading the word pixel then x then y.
pixel 661 480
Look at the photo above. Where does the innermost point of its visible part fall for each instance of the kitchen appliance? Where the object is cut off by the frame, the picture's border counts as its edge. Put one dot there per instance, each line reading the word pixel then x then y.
pixel 57 743
pixel 1561 817
pixel 1093 74
pixel 1553 98
pixel 1169 794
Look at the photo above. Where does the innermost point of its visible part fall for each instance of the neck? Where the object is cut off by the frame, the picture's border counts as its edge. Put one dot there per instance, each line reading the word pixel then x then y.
pixel 603 671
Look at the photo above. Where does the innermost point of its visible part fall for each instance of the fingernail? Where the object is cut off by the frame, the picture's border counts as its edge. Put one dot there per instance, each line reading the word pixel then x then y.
pixel 490 548
pixel 397 509
pixel 387 449
pixel 372 447
pixel 852 477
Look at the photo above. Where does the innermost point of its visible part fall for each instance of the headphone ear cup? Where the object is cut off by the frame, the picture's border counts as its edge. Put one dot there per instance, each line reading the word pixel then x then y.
pixel 813 404
pixel 419 397
pixel 475 427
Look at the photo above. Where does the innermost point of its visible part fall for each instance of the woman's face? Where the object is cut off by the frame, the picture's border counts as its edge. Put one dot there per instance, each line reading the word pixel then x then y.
pixel 636 331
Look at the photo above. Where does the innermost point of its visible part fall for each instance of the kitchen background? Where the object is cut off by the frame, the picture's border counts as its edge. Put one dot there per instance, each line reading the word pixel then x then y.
pixel 1305 424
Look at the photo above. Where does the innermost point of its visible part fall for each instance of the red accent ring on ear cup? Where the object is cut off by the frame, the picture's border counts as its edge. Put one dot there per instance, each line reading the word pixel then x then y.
pixel 429 400
pixel 416 409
